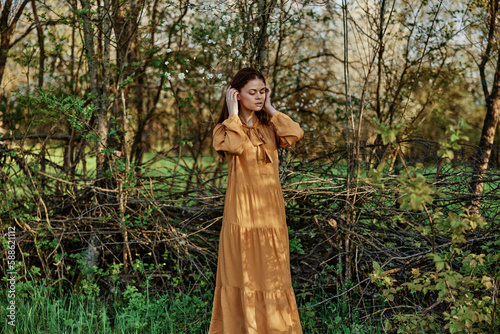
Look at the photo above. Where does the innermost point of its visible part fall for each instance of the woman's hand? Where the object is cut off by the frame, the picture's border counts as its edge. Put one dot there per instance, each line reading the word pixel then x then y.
pixel 232 100
pixel 267 103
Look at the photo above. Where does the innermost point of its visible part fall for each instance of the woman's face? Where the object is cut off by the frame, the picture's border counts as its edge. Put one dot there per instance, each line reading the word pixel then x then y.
pixel 253 95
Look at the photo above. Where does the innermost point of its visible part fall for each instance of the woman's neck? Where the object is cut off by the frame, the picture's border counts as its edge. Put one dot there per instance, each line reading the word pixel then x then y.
pixel 247 116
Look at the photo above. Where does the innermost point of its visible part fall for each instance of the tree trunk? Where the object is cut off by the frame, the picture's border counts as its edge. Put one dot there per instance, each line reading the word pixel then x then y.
pixel 41 44
pixel 261 55
pixel 125 24
pixel 6 31
pixel 380 59
pixel 492 113
pixel 101 117
pixel 486 143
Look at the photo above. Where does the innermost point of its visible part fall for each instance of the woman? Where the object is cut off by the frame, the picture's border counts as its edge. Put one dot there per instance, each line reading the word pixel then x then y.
pixel 253 293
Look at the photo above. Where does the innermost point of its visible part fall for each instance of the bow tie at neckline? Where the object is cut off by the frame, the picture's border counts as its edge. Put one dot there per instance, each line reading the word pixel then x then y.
pixel 257 140
pixel 255 136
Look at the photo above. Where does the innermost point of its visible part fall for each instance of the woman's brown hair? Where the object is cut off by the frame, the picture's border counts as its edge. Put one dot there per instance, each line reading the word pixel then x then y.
pixel 240 79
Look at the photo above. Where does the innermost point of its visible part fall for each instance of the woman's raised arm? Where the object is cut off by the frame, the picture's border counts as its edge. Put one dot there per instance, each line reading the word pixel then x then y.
pixel 287 131
pixel 229 136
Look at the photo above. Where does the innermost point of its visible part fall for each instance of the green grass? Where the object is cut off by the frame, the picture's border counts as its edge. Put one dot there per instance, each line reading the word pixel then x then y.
pixel 56 156
pixel 40 308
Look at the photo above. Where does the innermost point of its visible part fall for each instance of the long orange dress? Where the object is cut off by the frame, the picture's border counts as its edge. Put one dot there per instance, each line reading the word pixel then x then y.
pixel 254 293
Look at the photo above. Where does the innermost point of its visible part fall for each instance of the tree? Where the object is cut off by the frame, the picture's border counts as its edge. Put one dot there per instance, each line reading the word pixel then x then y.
pixel 11 12
pixel 492 99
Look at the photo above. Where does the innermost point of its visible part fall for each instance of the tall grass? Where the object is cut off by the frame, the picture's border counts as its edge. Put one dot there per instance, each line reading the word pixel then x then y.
pixel 41 308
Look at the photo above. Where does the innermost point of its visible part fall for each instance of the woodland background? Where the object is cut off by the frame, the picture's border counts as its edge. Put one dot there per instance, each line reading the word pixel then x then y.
pixel 116 195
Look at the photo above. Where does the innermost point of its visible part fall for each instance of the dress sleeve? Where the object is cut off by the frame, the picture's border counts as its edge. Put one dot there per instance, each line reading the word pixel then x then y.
pixel 229 136
pixel 288 132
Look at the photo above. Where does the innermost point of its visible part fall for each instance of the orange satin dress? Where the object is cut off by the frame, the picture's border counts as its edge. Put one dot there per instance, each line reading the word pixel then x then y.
pixel 254 293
